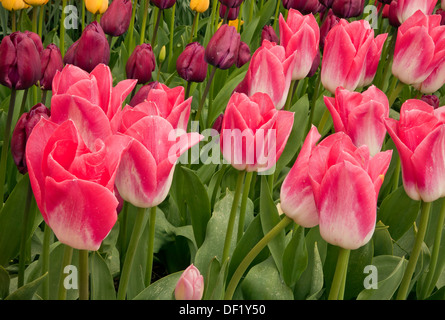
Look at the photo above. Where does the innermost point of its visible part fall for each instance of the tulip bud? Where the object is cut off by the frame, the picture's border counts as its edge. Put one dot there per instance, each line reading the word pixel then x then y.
pixel 348 8
pixel 243 54
pixel 162 54
pixel 218 123
pixel 91 49
pixel 231 3
pixel 269 34
pixel 190 285
pixel 199 5
pixel 222 49
pixel 22 131
pixel 163 4
pixel 190 64
pixel 231 15
pixel 442 14
pixel 141 63
pixel 51 60
pixel 142 93
pixel 431 100
pixel 20 61
pixel 96 6
pixel 116 19
pixel 14 5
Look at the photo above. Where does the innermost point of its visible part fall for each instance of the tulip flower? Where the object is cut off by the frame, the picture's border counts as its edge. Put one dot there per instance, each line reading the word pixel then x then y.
pixel 191 65
pixel 243 55
pixel 163 4
pixel 361 116
pixel 403 9
pixel 20 63
pixel 22 131
pixel 268 33
pixel 190 285
pixel 96 6
pixel 200 6
pixel 90 50
pixel 418 58
pixel 253 132
pixel 351 55
pixel 300 34
pixel 330 21
pixel 51 60
pixel 36 2
pixel 304 6
pixel 141 63
pixel 418 136
pixel 231 3
pixel 269 59
pixel 232 13
pixel 432 100
pixel 222 49
pixel 14 5
pixel 442 15
pixel 36 38
pixel 116 19
pixel 345 8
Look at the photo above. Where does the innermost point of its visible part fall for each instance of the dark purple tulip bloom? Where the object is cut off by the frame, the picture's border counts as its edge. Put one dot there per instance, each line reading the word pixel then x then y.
pixel 51 61
pixel 116 19
pixel 432 100
pixel 231 3
pixel 243 54
pixel 141 63
pixel 163 4
pixel 142 93
pixel 190 64
pixel 231 15
pixel 304 6
pixel 268 33
pixel 222 49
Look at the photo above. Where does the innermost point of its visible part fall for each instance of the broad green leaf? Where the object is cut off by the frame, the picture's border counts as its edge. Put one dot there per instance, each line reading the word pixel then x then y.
pixel 27 291
pixel 383 244
pixel 218 288
pixel 316 282
pixel 102 284
pixel 163 289
pixel 358 260
pixel 4 283
pixel 295 258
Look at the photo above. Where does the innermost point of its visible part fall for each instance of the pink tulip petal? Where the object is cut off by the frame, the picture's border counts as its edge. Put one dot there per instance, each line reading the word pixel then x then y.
pixel 104 79
pixel 378 166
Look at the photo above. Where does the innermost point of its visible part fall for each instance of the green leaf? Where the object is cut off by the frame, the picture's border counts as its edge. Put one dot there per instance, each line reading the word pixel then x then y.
pixel 358 260
pixel 163 289
pixel 295 258
pixel 4 283
pixel 102 284
pixel 218 280
pixel 383 244
pixel 27 291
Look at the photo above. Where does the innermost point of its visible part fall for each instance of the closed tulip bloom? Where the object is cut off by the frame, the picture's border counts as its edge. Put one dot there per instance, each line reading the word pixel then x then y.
pixel 361 116
pixel 36 2
pixel 231 15
pixel 330 21
pixel 350 56
pixel 348 8
pixel 141 63
pixel 300 34
pixel 346 182
pixel 231 3
pixel 20 63
pixel 419 138
pixel 432 100
pixel 268 33
pixel 190 285
pixel 418 56
pixel 243 55
pixel 163 4
pixel 304 6
pixel 116 19
pixel 403 9
pixel 96 6
pixel 222 49
pixel 52 61
pixel 14 5
pixel 199 5
pixel 22 131
pixel 442 15
pixel 90 50
pixel 269 59
pixel 36 38
pixel 191 65
pixel 253 132
pixel 296 196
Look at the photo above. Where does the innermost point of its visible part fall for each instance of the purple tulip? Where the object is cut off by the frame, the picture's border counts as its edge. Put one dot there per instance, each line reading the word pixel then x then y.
pixel 163 4
pixel 222 49
pixel 190 64
pixel 51 60
pixel 116 19
pixel 243 54
pixel 268 33
pixel 141 63
pixel 231 3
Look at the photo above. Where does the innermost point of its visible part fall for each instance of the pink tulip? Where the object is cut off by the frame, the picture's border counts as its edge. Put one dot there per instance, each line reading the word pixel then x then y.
pixel 419 58
pixel 253 132
pixel 351 55
pixel 360 115
pixel 297 198
pixel 146 171
pixel 345 182
pixel 190 285
pixel 269 59
pixel 300 35
pixel 401 10
pixel 159 101
pixel 419 137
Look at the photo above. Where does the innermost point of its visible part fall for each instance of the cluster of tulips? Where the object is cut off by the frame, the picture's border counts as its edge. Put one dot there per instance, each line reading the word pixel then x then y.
pixel 326 150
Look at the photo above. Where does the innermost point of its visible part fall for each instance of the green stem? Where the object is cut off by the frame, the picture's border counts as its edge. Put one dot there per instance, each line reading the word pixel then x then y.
pixel 277 11
pixel 242 267
pixel 23 104
pixel 187 90
pixel 83 275
pixel 251 10
pixel 22 261
pixel 13 21
pixel 395 91
pixel 123 232
pixel 131 27
pixel 204 95
pixel 144 21
pixel 340 274
pixel 313 102
pixel 83 15
pixel 323 120
pixel 406 280
pixel 172 33
pixel 67 256
pixel 62 29
pixel 5 147
pixel 290 94
pixel 129 256
pixel 45 260
pixel 155 31
pixel 232 217
pixel 194 25
pixel 34 19
pixel 396 175
pixel 151 240
pixel 242 214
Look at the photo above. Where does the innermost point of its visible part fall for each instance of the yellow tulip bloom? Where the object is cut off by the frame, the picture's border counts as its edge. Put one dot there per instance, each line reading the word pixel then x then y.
pixel 14 5
pixel 233 23
pixel 96 6
pixel 36 2
pixel 199 5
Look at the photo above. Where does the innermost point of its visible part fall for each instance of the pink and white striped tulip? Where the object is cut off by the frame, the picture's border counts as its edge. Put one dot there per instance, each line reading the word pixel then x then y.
pixel 269 59
pixel 351 55
pixel 419 136
pixel 190 285
pixel 403 9
pixel 300 34
pixel 360 115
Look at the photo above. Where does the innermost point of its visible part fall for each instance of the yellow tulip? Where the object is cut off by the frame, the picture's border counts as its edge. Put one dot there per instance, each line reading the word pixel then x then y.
pixel 233 23
pixel 14 5
pixel 199 5
pixel 36 2
pixel 96 6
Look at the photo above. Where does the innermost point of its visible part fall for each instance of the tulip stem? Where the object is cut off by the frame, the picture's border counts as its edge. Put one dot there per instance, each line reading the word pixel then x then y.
pixel 242 267
pixel 5 147
pixel 131 27
pixel 242 214
pixel 406 280
pixel 144 21
pixel 432 275
pixel 129 256
pixel 13 21
pixel 45 260
pixel 155 31
pixel 21 275
pixel 62 29
pixel 396 175
pixel 395 91
pixel 232 217
pixel 187 90
pixel 323 120
pixel 83 275
pixel 83 15
pixel 67 256
pixel 194 25
pixel 340 274
pixel 277 11
pixel 204 95
pixel 151 240
pixel 34 19
pixel 23 104
pixel 313 103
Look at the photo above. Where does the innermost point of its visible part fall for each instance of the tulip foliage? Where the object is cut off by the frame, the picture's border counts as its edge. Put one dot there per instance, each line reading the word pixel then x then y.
pixel 209 150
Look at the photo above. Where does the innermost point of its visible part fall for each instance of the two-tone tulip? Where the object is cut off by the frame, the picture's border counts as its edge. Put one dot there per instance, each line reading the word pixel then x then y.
pixel 141 63
pixel 116 19
pixel 401 10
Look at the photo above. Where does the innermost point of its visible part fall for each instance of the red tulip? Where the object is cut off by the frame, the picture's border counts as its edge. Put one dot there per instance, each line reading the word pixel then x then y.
pixel 141 63
pixel 361 116
pixel 419 137
pixel 345 182
pixel 52 61
pixel 222 49
pixel 300 34
pixel 253 132
pixel 116 19
pixel 269 59
pixel 401 10
pixel 191 65
pixel 419 59
pixel 351 55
